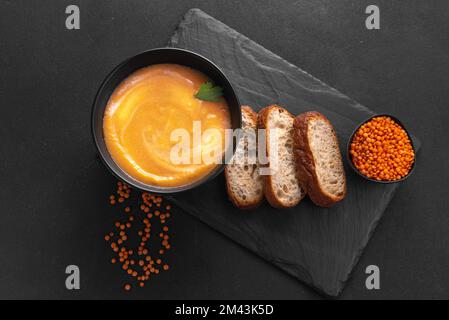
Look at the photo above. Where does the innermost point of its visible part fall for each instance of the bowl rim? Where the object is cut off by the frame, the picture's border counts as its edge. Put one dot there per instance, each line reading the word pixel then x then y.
pixel 123 175
pixel 348 147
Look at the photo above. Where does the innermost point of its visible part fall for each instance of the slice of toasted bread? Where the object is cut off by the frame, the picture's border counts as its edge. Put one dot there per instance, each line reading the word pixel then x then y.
pixel 281 187
pixel 243 182
pixel 318 156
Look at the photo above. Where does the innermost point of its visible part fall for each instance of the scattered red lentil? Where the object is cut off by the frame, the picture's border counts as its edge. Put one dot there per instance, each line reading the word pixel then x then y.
pixel 382 150
pixel 138 271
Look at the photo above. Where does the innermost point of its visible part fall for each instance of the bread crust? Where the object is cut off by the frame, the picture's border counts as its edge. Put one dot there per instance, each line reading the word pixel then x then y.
pixel 306 163
pixel 236 202
pixel 269 192
pixel 251 113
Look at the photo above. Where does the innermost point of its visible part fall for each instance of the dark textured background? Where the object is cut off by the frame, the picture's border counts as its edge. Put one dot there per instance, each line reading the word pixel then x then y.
pixel 53 201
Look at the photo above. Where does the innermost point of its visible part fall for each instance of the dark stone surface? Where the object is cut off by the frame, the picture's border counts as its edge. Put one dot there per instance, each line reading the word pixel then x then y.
pixel 54 208
pixel 318 246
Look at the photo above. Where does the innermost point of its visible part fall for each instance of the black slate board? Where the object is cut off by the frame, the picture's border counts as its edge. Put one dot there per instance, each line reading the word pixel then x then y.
pixel 317 246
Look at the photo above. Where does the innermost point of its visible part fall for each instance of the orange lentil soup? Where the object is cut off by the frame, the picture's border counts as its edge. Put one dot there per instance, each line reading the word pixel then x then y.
pixel 146 108
pixel 382 150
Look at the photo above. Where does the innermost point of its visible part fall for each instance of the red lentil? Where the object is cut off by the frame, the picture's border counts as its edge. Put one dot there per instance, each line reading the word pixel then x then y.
pixel 139 271
pixel 382 150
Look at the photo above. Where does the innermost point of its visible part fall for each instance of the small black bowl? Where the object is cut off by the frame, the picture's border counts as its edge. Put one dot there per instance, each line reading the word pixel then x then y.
pixel 144 59
pixel 349 158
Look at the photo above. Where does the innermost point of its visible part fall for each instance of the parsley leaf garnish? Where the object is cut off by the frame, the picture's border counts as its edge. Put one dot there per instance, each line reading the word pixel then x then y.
pixel 209 92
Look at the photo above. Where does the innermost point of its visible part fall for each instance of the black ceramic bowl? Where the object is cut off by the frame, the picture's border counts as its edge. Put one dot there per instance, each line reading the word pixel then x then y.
pixel 349 158
pixel 147 58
